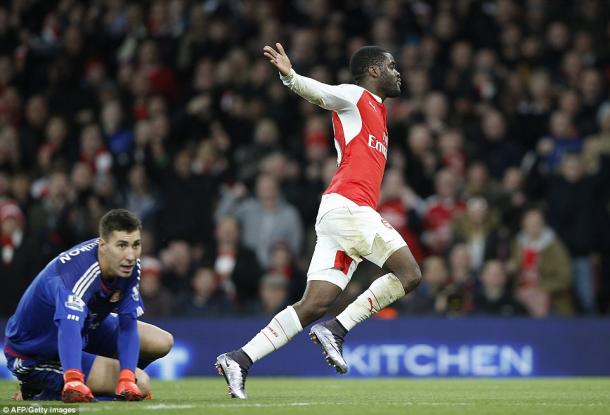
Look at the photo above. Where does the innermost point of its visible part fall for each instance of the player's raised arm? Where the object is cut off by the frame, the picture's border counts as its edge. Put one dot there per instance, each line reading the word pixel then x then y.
pixel 330 97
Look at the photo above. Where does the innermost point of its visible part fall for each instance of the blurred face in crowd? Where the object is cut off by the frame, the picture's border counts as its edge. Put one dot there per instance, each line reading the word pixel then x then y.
pixel 81 176
pixel 591 84
pixel 493 275
pixel 56 131
pixel 493 126
pixel 112 116
pixel 435 271
pixel 273 292
pixel 572 168
pixel 119 252
pixel 137 177
pixel 227 231
pixel 446 184
pixel 533 224
pixel 435 105
pixel 36 111
pixel 20 186
pixel 569 102
pixel 267 188
pixel 459 258
pixel 561 126
pixel 513 179
pixel 91 139
pixel 450 142
pixel 419 139
pixel 205 282
pixel 558 36
pixel 182 163
pixel 477 177
pixel 461 55
pixel 477 210
pixel 281 257
pixel 540 85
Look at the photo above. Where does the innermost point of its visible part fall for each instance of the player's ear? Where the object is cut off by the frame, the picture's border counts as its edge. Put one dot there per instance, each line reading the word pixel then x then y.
pixel 374 71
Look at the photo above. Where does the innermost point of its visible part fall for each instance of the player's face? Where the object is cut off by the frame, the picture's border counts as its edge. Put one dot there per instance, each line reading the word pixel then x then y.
pixel 118 254
pixel 390 79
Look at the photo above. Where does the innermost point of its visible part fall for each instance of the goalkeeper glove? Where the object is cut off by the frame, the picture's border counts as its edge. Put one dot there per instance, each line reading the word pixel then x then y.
pixel 75 389
pixel 127 389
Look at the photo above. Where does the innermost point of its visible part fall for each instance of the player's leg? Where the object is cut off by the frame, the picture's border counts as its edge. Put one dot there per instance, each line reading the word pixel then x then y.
pixel 154 343
pixel 402 277
pixel 102 375
pixel 318 297
pixel 38 380
pixel 323 287
pixel 389 251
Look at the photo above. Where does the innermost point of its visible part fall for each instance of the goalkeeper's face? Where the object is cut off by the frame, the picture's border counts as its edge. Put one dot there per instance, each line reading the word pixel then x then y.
pixel 119 253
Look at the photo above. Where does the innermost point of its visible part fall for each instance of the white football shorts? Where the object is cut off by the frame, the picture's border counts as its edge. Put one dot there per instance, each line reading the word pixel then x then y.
pixel 346 233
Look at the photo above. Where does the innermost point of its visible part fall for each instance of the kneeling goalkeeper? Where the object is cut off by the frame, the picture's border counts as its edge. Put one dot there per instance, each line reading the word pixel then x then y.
pixel 75 333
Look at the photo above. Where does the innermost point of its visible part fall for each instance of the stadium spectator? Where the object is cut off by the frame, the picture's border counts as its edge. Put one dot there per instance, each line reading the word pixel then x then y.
pixel 398 205
pixel 439 211
pixel 158 299
pixel 426 299
pixel 236 265
pixel 540 264
pixel 571 212
pixel 477 227
pixel 177 264
pixel 265 219
pixel 493 146
pixel 274 295
pixel 206 299
pixel 17 266
pixel 494 296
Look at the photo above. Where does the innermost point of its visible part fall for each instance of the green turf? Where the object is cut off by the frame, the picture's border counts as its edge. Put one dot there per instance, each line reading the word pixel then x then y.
pixel 310 396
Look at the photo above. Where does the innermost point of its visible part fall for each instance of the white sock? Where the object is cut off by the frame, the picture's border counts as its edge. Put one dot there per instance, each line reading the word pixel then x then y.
pixel 280 330
pixel 382 292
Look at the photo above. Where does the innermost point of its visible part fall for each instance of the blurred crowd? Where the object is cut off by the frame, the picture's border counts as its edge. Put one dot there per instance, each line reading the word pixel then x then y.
pixel 498 170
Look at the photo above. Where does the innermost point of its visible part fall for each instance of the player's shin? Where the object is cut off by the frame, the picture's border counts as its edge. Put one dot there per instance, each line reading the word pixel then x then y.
pixel 280 330
pixel 382 292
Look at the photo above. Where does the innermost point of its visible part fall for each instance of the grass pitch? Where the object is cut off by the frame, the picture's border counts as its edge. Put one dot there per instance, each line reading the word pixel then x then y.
pixel 331 396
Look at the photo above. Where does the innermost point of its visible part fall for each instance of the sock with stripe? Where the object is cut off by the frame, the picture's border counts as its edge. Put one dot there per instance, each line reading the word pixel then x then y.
pixel 280 330
pixel 382 292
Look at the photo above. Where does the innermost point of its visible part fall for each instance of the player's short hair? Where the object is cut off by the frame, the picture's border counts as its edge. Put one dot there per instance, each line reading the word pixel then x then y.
pixel 364 58
pixel 119 220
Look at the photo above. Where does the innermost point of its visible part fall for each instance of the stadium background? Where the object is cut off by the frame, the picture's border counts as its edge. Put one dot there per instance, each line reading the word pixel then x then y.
pixel 169 109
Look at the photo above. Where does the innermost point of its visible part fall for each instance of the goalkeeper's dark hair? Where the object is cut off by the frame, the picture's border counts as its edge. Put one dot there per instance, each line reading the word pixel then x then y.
pixel 119 220
pixel 363 59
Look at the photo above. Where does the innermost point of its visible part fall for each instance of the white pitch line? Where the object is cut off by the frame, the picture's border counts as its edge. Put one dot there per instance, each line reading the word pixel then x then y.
pixel 203 405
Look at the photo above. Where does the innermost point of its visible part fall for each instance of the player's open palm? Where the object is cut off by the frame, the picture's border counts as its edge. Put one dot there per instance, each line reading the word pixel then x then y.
pixel 278 58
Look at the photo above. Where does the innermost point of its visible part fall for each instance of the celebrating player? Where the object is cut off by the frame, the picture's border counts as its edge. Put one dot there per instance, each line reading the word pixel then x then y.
pixel 63 341
pixel 348 227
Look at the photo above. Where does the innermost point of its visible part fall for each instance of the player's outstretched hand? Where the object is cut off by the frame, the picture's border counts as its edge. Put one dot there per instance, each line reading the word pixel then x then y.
pixel 75 389
pixel 127 390
pixel 278 58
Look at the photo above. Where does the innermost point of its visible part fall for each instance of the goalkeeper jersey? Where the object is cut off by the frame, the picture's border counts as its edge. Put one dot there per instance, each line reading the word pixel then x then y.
pixel 69 287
